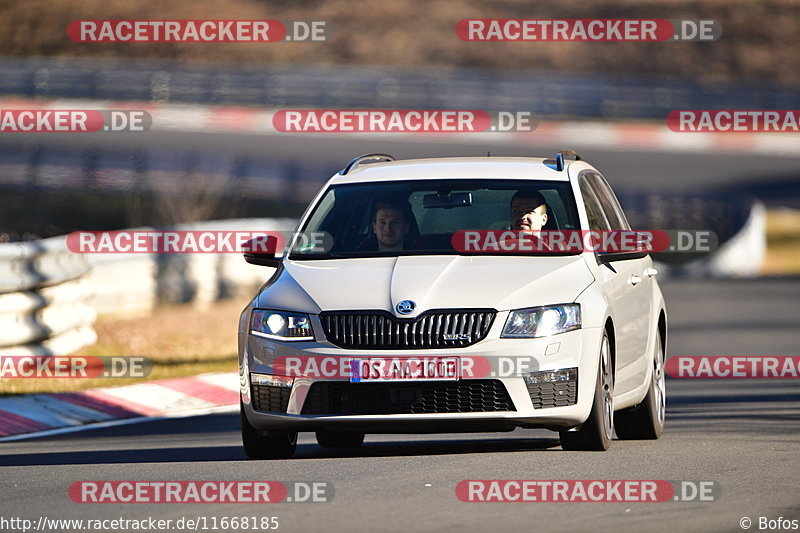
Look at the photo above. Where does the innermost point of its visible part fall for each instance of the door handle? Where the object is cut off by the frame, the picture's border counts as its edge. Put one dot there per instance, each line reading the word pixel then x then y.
pixel 633 280
pixel 650 272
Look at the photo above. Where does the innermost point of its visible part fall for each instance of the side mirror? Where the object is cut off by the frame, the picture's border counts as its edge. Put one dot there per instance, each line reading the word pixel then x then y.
pixel 261 251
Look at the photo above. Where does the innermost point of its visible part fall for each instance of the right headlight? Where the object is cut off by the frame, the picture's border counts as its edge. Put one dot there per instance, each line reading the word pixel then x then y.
pixel 542 321
pixel 281 325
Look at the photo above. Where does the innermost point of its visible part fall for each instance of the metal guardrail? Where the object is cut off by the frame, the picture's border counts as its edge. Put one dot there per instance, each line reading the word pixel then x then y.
pixel 33 265
pixel 44 297
pixel 545 94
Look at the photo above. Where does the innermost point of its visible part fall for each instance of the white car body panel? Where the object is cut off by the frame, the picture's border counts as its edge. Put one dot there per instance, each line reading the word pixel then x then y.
pixel 433 282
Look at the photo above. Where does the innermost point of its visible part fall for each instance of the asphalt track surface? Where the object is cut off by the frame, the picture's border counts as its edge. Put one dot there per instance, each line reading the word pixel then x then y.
pixel 742 434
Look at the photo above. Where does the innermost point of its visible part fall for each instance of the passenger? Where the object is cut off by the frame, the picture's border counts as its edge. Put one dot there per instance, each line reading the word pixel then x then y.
pixel 529 215
pixel 528 212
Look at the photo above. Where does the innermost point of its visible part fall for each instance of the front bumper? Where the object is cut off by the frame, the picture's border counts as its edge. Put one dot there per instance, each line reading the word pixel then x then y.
pixel 576 349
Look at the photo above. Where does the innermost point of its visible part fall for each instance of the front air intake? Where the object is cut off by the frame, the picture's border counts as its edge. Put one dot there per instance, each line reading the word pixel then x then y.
pixel 379 330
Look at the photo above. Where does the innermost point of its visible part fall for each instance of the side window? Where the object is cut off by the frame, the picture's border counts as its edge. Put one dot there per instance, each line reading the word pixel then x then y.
pixel 597 219
pixel 609 202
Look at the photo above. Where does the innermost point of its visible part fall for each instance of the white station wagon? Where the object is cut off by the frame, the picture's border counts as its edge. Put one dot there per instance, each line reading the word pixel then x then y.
pixel 390 323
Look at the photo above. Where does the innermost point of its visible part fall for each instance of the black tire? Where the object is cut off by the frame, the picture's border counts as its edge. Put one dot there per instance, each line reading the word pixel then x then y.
pixel 646 420
pixel 595 434
pixel 339 439
pixel 267 445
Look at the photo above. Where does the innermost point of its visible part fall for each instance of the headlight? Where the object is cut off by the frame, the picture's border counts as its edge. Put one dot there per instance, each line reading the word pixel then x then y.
pixel 542 321
pixel 281 325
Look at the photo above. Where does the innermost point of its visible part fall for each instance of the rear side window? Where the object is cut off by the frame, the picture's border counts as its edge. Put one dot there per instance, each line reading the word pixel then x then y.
pixel 597 218
pixel 608 201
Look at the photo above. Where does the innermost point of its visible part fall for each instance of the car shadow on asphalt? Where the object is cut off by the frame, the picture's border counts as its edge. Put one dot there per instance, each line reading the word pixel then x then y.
pixel 399 448
pixel 304 451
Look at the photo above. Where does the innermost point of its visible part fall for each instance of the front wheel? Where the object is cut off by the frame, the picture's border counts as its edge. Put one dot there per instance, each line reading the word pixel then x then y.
pixel 595 434
pixel 646 420
pixel 269 445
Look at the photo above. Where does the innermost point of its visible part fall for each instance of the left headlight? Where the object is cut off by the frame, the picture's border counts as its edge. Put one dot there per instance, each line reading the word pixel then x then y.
pixel 542 321
pixel 281 325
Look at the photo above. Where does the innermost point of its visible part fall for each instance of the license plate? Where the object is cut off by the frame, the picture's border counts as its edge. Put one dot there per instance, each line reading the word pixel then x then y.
pixel 404 369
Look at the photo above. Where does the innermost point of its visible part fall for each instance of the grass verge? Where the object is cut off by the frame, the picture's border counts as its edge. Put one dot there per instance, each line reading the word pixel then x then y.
pixel 179 340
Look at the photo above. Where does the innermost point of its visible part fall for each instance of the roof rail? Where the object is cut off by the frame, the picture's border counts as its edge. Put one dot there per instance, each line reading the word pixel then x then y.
pixel 558 163
pixel 375 158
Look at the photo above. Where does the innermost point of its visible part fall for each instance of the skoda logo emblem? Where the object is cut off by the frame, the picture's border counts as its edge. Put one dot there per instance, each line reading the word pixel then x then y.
pixel 406 307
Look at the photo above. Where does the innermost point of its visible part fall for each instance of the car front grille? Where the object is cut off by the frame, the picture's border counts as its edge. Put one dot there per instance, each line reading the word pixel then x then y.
pixel 271 399
pixel 381 330
pixel 555 393
pixel 463 396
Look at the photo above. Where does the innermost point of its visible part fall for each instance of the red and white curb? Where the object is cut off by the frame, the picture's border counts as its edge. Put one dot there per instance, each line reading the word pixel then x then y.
pixel 37 415
pixel 589 134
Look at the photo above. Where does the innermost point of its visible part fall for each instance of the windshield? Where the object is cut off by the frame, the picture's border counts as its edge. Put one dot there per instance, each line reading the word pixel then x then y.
pixel 421 217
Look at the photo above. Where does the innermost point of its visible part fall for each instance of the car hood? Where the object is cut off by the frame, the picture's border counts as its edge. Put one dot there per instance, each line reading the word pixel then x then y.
pixel 432 282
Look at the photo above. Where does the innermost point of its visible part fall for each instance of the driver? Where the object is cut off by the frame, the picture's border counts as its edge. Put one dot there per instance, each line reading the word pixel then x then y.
pixel 391 224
